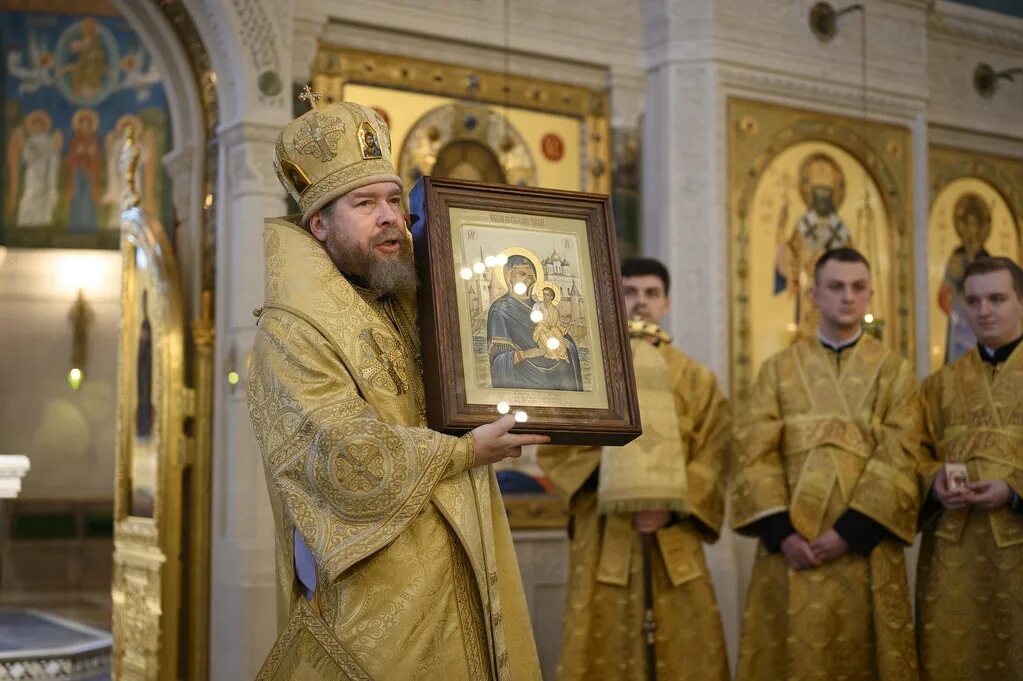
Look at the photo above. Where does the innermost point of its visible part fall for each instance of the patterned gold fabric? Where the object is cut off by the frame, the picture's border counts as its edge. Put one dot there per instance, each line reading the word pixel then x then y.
pixel 307 651
pixel 816 440
pixel 970 574
pixel 416 572
pixel 647 473
pixel 602 633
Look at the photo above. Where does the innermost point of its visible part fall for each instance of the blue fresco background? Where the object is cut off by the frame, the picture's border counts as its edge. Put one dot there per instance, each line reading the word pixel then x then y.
pixel 63 64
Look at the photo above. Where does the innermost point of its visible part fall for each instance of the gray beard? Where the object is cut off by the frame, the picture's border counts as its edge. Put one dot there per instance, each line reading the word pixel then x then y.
pixel 393 276
pixel 386 275
pixel 390 275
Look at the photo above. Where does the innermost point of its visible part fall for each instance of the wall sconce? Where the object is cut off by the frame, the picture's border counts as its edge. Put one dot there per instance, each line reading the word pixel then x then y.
pixel 985 78
pixel 872 325
pixel 81 318
pixel 824 19
pixel 231 367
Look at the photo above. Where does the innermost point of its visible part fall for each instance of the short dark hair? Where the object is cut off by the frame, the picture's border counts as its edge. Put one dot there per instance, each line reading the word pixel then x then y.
pixel 638 267
pixel 843 254
pixel 987 264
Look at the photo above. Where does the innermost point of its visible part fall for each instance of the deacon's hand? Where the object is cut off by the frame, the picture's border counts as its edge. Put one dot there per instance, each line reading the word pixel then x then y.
pixel 949 499
pixel 798 552
pixel 494 442
pixel 990 494
pixel 829 546
pixel 649 522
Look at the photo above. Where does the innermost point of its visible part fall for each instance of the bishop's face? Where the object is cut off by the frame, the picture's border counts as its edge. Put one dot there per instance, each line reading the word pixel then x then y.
pixel 364 233
pixel 993 308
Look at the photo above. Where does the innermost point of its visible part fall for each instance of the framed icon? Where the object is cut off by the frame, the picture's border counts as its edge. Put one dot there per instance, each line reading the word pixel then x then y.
pixel 521 310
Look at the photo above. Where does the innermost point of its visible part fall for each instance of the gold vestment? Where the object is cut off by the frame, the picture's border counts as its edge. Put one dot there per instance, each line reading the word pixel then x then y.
pixel 416 572
pixel 602 631
pixel 820 437
pixel 970 574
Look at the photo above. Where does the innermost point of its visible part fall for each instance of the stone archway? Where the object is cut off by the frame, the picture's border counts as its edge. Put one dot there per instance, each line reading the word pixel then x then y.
pixel 180 532
pixel 193 118
pixel 249 53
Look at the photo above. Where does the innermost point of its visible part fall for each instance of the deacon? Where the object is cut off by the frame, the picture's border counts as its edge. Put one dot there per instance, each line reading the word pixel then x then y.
pixel 826 456
pixel 394 557
pixel 640 600
pixel 970 576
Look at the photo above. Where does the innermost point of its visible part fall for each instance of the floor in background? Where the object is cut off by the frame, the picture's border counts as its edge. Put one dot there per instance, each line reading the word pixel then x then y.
pixel 55 636
pixel 90 609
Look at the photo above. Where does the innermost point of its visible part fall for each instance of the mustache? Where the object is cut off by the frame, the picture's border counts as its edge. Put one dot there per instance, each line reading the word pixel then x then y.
pixel 394 232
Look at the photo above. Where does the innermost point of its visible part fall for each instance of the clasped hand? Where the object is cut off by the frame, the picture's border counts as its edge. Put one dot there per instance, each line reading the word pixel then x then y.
pixel 648 522
pixel 804 555
pixel 987 494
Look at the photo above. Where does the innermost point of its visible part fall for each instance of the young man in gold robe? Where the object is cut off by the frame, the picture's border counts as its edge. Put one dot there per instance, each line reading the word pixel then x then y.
pixel 970 575
pixel 826 477
pixel 394 557
pixel 665 490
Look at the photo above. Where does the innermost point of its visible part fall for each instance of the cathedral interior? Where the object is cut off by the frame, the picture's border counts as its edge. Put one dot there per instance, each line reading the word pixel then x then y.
pixel 735 138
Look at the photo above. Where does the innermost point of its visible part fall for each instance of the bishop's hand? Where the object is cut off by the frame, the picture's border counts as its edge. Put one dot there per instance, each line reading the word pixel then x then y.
pixel 494 442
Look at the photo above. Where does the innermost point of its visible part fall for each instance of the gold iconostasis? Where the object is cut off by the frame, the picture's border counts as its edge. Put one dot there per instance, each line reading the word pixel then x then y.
pixel 976 209
pixel 799 183
pixel 472 124
pixel 802 182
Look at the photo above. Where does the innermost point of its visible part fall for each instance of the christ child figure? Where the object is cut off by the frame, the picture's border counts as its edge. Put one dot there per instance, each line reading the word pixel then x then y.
pixel 548 333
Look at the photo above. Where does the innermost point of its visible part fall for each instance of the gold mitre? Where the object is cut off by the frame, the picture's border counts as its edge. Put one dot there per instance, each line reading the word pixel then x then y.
pixel 330 150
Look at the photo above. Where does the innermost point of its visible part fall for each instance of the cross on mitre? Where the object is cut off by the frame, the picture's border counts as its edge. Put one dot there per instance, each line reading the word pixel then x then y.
pixel 312 97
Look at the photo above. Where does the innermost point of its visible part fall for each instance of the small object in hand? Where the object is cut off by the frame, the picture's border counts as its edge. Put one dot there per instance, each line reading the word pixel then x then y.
pixel 956 477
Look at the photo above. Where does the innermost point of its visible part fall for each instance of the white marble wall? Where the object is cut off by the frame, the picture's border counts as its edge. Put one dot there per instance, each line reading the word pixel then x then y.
pixel 68 434
pixel 958 39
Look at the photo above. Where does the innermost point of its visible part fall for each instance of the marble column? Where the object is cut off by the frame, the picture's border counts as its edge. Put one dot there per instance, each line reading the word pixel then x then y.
pixel 13 467
pixel 684 219
pixel 243 612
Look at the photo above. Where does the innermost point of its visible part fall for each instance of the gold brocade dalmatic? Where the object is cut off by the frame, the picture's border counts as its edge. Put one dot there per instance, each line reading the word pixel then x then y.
pixel 416 573
pixel 602 631
pixel 816 440
pixel 970 575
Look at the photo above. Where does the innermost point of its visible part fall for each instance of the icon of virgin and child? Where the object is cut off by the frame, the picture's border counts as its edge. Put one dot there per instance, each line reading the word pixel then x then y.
pixel 528 344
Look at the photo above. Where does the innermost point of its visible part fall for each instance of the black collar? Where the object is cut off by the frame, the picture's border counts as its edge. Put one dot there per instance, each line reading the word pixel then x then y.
pixel 1000 354
pixel 841 347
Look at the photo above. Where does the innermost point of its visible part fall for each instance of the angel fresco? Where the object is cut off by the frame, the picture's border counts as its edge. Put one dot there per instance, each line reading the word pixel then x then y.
pixel 86 69
pixel 85 62
pixel 73 85
pixel 82 166
pixel 33 170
